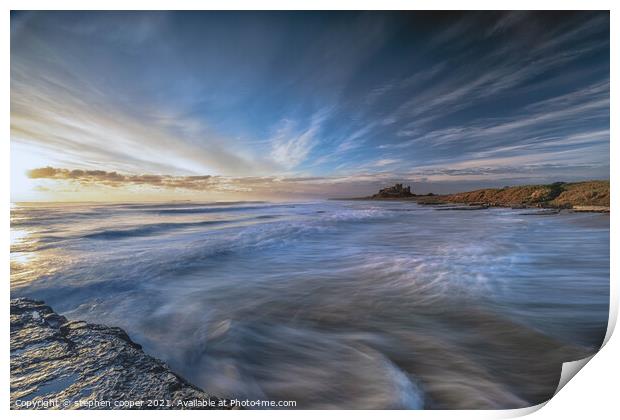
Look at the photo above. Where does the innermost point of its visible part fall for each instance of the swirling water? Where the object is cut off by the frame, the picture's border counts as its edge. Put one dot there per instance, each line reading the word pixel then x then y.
pixel 334 304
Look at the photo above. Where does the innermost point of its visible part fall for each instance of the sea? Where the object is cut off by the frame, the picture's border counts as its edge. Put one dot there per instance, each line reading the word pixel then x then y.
pixel 331 304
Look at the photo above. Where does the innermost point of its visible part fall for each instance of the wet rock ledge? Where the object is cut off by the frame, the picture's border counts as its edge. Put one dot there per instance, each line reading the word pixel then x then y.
pixel 57 364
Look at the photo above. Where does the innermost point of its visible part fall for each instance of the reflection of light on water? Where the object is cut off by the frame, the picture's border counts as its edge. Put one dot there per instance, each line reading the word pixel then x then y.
pixel 20 241
pixel 25 265
pixel 30 258
pixel 28 264
pixel 22 257
pixel 18 236
pixel 20 260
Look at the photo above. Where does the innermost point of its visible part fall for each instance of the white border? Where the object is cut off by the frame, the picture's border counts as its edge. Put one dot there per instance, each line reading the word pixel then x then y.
pixel 592 395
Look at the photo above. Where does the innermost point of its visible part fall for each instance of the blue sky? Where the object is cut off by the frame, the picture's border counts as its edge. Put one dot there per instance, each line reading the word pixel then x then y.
pixel 305 103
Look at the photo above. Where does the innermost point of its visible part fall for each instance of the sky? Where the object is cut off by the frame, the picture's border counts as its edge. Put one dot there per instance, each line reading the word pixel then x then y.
pixel 110 106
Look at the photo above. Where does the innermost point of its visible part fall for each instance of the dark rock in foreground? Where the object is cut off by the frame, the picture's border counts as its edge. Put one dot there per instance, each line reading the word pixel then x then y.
pixel 56 364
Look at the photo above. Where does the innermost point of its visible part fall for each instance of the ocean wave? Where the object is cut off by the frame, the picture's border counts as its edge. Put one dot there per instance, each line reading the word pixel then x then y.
pixel 46 216
pixel 34 218
pixel 172 204
pixel 210 209
pixel 150 229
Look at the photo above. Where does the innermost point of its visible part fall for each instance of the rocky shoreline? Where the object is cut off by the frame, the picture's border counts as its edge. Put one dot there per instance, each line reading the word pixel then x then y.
pixel 61 364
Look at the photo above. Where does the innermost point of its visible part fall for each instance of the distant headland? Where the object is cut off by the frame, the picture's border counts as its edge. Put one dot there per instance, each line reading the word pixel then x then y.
pixel 578 196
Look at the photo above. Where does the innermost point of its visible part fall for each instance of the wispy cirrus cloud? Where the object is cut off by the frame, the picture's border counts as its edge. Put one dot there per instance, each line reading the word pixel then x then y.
pixel 88 127
pixel 290 146
pixel 561 124
pixel 259 98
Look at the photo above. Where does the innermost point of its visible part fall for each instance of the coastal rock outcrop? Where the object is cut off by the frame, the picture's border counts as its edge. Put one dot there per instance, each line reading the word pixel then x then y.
pixel 57 364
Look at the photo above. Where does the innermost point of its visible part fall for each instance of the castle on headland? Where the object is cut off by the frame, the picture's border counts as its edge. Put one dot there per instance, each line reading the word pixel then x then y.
pixel 397 191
